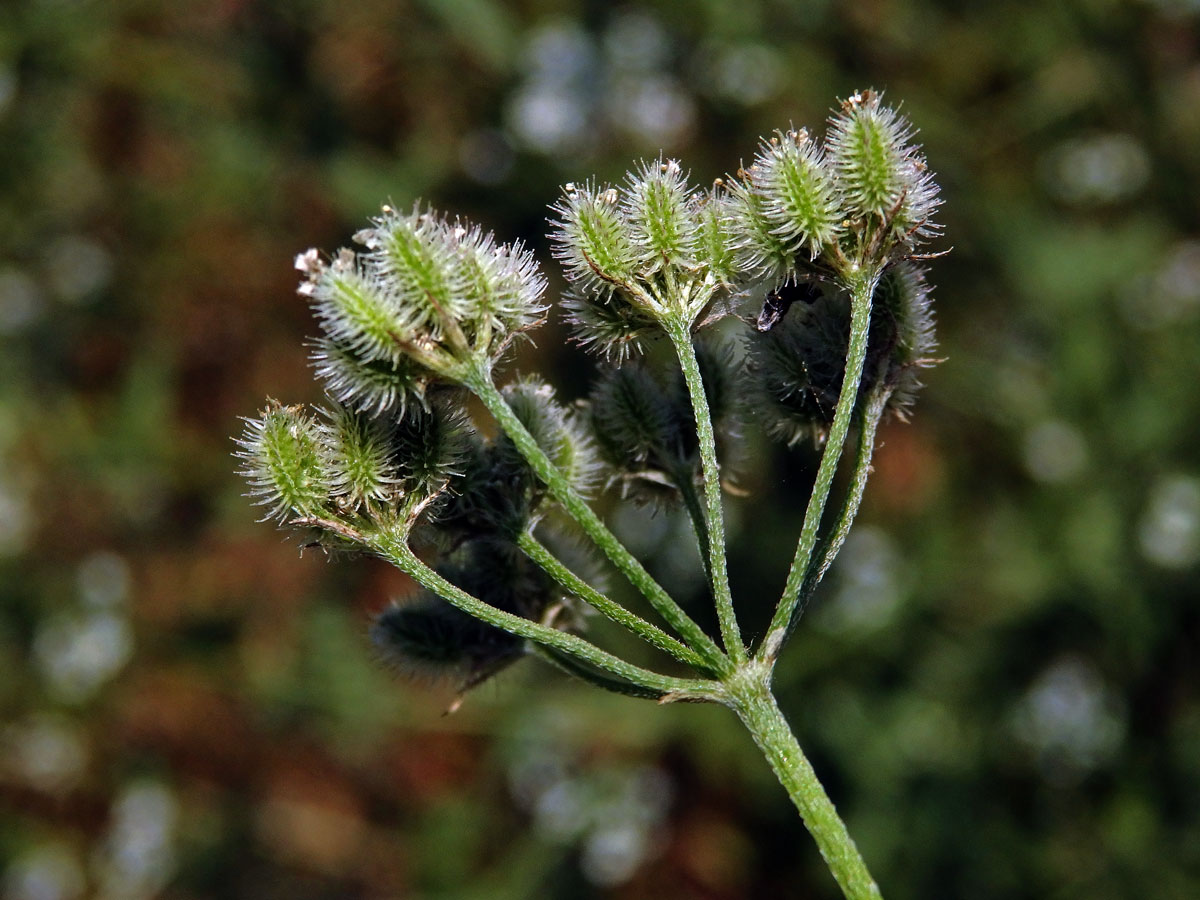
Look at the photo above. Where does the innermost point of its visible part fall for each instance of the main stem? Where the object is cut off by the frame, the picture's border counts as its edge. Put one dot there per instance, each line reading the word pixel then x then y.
pixel 480 383
pixel 862 288
pixel 718 569
pixel 757 709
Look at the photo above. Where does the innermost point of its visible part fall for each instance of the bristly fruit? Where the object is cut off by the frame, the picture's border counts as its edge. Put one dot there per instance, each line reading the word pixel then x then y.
pixel 283 459
pixel 426 298
pixel 800 199
pixel 880 172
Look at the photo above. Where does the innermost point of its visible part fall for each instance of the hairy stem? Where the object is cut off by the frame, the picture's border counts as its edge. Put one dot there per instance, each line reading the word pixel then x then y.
pixel 757 709
pixel 573 667
pixel 862 286
pixel 652 634
pixel 480 383
pixel 718 570
pixel 394 547
pixel 831 544
pixel 691 502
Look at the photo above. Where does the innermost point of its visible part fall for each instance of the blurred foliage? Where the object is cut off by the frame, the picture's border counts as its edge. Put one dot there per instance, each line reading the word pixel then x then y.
pixel 999 683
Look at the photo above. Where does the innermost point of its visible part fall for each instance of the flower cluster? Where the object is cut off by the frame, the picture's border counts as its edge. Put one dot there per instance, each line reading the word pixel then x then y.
pixel 347 474
pixel 343 463
pixel 804 209
pixel 799 221
pixel 420 315
pixel 813 247
pixel 424 298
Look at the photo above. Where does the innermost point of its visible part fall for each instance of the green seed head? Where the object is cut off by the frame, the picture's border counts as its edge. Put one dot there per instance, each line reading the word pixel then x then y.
pixel 880 173
pixel 761 253
pixel 423 297
pixel 592 239
pixel 799 201
pixel 374 386
pixel 905 326
pixel 358 458
pixel 608 326
pixel 635 422
pixel 414 260
pixel 284 462
pixel 557 432
pixel 717 237
pixel 353 308
pixel 662 217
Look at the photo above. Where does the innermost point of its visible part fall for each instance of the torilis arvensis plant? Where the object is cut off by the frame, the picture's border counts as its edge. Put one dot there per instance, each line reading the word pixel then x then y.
pixel 814 246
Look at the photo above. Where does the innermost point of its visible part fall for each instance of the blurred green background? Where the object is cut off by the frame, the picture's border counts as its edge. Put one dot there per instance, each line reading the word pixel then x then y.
pixel 1000 681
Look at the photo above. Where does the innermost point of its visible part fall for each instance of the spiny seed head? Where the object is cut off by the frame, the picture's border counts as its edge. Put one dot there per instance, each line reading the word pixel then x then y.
pixel 591 238
pixel 429 445
pixel 489 495
pixel 761 252
pixel 799 199
pixel 717 237
pixel 504 282
pixel 633 419
pixel 358 457
pixel 284 462
pixel 608 325
pixel 659 207
pixel 428 639
pixel 424 293
pixel 880 172
pixel 904 308
pixel 798 367
pixel 373 386
pixel 353 307
pixel 414 259
pixel 556 430
pixel 634 257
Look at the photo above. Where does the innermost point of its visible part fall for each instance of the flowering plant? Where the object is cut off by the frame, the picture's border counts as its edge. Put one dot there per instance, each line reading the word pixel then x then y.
pixel 814 246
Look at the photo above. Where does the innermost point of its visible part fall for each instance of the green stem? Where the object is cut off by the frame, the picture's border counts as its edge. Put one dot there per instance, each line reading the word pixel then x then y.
pixel 652 634
pixel 680 333
pixel 480 383
pixel 862 288
pixel 831 545
pixel 757 709
pixel 394 548
pixel 573 667
pixel 691 502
